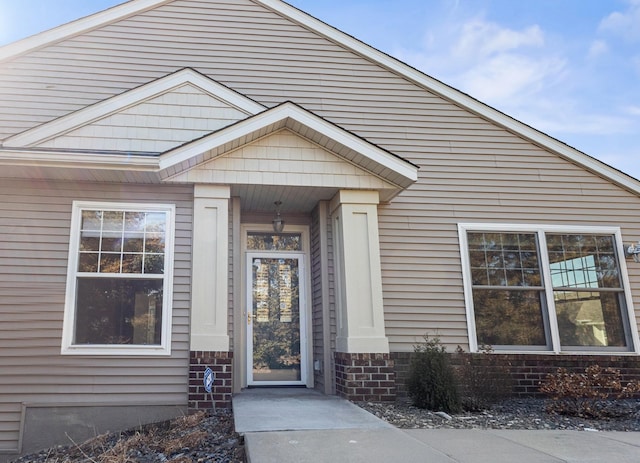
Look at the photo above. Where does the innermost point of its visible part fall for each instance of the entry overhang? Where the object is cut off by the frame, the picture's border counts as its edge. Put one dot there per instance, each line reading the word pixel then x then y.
pixel 396 172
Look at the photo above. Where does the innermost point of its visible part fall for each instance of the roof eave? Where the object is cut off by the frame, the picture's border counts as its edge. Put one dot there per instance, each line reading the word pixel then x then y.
pixel 76 160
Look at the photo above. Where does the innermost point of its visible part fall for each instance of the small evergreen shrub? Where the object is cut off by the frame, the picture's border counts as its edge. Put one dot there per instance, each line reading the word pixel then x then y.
pixel 431 382
pixel 587 394
pixel 483 379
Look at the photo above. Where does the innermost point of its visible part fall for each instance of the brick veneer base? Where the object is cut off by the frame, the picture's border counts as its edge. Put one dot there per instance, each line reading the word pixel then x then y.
pixel 221 364
pixel 527 370
pixel 365 377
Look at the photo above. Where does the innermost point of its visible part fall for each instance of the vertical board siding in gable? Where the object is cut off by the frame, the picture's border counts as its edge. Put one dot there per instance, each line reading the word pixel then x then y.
pixel 34 242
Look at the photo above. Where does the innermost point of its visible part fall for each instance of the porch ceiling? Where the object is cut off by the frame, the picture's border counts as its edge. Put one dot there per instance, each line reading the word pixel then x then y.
pixel 260 198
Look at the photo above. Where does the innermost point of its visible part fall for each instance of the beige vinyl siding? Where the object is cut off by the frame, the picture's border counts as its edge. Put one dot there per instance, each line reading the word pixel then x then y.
pixel 34 241
pixel 418 232
pixel 155 125
pixel 470 169
pixel 10 414
pixel 238 43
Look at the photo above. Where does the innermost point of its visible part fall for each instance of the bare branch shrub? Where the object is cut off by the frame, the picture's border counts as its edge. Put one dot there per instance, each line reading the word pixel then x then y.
pixel 587 394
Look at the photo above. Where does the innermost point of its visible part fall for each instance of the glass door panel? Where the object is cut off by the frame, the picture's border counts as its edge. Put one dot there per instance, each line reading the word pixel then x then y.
pixel 274 320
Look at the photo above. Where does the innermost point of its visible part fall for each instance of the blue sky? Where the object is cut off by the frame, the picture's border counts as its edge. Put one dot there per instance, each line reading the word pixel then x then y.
pixel 570 68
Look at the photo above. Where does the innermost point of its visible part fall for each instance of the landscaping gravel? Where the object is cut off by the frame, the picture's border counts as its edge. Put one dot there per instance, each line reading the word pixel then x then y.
pixel 198 438
pixel 510 414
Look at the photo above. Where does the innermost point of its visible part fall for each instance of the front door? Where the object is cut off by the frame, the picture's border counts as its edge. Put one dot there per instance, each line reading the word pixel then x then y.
pixel 275 319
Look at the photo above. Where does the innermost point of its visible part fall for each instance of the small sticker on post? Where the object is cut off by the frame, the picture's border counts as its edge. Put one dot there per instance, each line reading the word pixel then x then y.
pixel 209 378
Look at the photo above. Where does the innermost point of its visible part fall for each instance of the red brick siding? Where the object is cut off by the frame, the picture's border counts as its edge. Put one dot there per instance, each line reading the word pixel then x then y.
pixel 527 370
pixel 365 377
pixel 221 364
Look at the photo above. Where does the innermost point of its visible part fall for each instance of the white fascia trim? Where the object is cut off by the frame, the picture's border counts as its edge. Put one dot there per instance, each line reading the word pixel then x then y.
pixel 454 95
pixel 78 160
pixel 278 114
pixel 79 26
pixel 130 98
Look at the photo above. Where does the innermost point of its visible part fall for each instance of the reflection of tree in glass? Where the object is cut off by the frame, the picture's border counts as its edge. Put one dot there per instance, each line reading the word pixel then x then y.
pixel 506 318
pixel 122 242
pixel 276 343
pixel 118 311
pixel 274 242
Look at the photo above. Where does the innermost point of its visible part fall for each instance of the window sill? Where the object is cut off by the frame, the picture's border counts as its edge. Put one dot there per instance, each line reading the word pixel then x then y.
pixel 109 350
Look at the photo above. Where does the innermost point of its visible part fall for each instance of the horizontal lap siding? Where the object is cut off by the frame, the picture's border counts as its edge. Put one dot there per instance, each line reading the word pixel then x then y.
pixel 422 271
pixel 34 240
pixel 470 169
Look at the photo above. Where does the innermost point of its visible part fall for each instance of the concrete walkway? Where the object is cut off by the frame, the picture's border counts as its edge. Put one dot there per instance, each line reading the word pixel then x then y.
pixel 300 425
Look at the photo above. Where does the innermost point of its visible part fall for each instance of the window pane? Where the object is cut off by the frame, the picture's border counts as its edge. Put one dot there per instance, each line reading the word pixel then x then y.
pixel 123 241
pixel 583 261
pixel 504 259
pixel 109 263
pixel 509 317
pixel 112 242
pixel 154 242
pixel 113 220
pixel 134 221
pixel 88 262
pixel 118 311
pixel 156 222
pixel 154 264
pixel 274 242
pixel 133 242
pixel 590 318
pixel 132 263
pixel 90 241
pixel 91 220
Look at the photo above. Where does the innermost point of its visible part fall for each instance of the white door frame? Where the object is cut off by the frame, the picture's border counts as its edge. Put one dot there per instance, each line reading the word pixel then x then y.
pixel 304 281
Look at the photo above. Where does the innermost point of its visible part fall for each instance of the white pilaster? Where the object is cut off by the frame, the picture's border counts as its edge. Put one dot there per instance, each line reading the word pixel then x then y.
pixel 358 273
pixel 209 280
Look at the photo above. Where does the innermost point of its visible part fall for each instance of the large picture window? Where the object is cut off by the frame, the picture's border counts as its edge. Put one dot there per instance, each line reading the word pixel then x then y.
pixel 546 288
pixel 118 284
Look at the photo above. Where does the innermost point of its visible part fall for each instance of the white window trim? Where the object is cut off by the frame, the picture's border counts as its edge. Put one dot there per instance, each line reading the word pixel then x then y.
pixel 164 348
pixel 541 231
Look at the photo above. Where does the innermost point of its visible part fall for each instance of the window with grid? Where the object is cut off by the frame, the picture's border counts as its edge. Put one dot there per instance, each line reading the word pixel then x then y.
pixel 541 289
pixel 119 277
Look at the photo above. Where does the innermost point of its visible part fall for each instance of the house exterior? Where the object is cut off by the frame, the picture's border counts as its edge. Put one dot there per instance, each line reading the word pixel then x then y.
pixel 200 196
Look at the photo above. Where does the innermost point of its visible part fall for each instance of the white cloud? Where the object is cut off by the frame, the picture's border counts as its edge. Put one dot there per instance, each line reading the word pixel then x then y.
pixel 495 64
pixel 625 24
pixel 507 77
pixel 632 110
pixel 598 48
pixel 481 39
